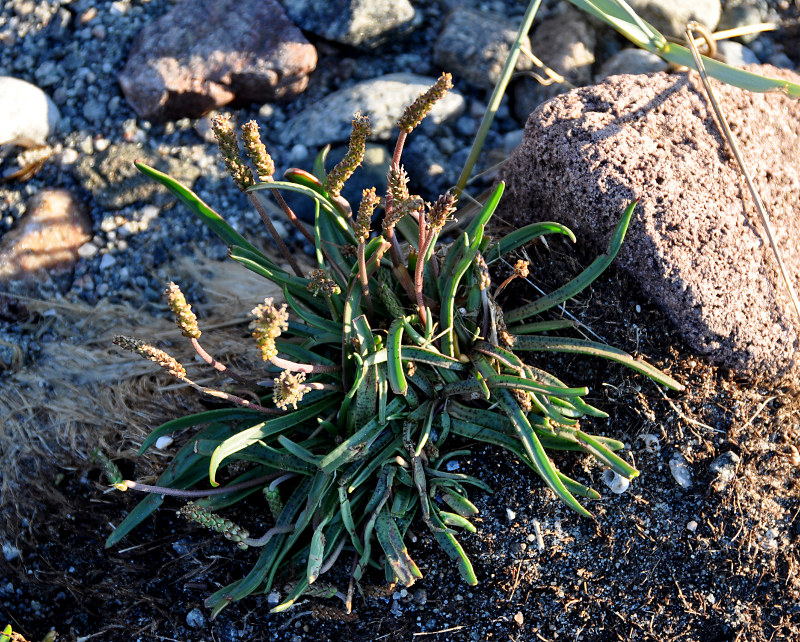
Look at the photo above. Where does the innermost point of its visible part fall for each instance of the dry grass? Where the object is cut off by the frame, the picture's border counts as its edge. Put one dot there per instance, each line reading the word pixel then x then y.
pixel 84 393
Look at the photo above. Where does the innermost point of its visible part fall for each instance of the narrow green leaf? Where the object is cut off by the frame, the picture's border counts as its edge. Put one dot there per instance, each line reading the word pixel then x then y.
pixel 523 236
pixel 214 221
pixel 268 428
pixel 592 348
pixel 397 377
pixel 359 444
pixel 452 519
pixel 584 279
pixel 451 546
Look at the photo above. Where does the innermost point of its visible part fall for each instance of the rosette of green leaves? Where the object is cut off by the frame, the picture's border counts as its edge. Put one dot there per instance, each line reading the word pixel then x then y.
pixel 370 458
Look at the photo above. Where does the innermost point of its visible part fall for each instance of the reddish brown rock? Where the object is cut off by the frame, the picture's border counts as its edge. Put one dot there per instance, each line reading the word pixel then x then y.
pixel 45 239
pixel 695 244
pixel 204 54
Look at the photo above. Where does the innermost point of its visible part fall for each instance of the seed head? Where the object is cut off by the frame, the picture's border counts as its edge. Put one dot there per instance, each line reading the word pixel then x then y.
pixel 322 284
pixel 170 364
pixel 229 148
pixel 397 189
pixel 184 317
pixel 352 159
pixel 262 161
pixel 441 210
pixel 521 269
pixel 289 389
pixel 401 208
pixel 267 324
pixel 369 201
pixel 226 527
pixel 416 111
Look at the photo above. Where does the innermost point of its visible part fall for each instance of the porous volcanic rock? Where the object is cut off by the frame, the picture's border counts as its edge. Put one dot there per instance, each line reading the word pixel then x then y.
pixel 245 50
pixel 695 244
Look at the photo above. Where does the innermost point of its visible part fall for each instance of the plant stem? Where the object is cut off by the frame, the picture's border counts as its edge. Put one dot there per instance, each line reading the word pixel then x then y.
pixel 307 368
pixel 262 212
pixel 190 494
pixel 497 96
pixel 219 366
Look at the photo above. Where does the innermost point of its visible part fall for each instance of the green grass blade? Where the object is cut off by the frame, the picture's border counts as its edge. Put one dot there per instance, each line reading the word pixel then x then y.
pixel 229 414
pixel 397 377
pixel 214 221
pixel 569 290
pixel 594 349
pixel 260 432
pixel 523 236
pixel 431 357
pixel 358 445
pixel 451 546
pixel 397 556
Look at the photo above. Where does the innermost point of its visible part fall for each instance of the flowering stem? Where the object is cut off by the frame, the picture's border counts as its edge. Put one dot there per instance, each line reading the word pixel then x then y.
pixel 189 494
pixel 219 366
pixel 262 212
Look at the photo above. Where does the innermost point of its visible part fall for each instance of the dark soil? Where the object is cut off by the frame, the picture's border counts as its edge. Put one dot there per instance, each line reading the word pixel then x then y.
pixel 718 561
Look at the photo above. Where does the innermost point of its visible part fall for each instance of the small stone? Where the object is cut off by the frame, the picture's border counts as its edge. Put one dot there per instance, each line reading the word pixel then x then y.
pixel 691 526
pixel 162 442
pixel 725 466
pixel 383 99
pixel 632 60
pixel 651 443
pixel 616 483
pixel 519 618
pixel 735 54
pixel 27 115
pixel 711 599
pixel 671 16
pixel 10 552
pixel 421 597
pixel 679 468
pixel 107 261
pixel 452 465
pixel 474 45
pixel 87 250
pixel 195 618
pixel 352 22
pixel 510 514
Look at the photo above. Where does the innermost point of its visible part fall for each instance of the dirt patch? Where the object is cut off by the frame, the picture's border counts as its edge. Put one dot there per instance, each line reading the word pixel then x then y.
pixel 715 561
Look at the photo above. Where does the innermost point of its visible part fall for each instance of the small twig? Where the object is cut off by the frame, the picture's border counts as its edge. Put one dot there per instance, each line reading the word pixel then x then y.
pixel 728 135
pixel 262 212
pixel 451 629
pixel 757 412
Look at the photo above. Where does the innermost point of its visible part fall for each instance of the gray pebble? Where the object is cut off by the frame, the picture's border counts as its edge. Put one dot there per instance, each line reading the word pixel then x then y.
pixel 195 618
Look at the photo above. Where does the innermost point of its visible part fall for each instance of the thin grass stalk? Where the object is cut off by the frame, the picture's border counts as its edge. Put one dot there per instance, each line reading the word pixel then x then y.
pixel 722 123
pixel 497 96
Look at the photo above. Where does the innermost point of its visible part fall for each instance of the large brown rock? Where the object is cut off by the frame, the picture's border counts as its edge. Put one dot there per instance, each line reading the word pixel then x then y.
pixel 695 245
pixel 204 54
pixel 45 240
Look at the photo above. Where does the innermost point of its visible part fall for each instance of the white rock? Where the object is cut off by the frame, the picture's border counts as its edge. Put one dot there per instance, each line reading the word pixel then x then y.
pixel 27 115
pixel 163 442
pixel 87 250
pixel 10 552
pixel 107 261
pixel 383 99
pixel 616 483
pixel 679 468
pixel 510 514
